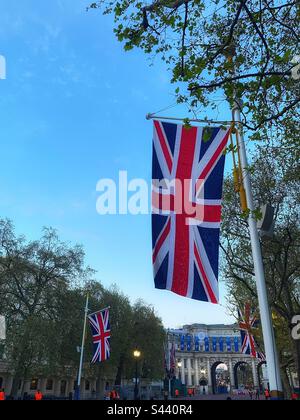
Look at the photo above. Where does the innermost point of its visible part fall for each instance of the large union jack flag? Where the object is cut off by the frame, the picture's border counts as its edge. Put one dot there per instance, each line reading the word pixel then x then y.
pixel 248 322
pixel 188 170
pixel 100 326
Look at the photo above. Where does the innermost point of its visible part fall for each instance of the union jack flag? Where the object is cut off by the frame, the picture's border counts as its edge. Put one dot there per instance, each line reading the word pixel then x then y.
pixel 170 360
pixel 188 170
pixel 100 326
pixel 248 323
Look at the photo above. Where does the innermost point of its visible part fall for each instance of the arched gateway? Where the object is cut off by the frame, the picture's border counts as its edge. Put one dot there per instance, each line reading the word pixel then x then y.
pixel 211 354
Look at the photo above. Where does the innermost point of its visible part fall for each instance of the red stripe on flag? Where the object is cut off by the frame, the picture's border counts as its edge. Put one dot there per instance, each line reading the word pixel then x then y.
pixel 164 145
pixel 212 213
pixel 182 240
pixel 161 240
pixel 210 292
pixel 215 156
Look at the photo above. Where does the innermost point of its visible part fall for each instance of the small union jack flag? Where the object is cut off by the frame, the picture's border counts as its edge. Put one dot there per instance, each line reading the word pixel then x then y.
pixel 188 169
pixel 170 360
pixel 248 323
pixel 100 326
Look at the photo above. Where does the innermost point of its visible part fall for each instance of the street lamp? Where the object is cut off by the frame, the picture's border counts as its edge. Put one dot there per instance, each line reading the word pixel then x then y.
pixel 179 364
pixel 136 355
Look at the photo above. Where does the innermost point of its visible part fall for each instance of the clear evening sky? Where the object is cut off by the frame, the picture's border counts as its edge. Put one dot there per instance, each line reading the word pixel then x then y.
pixel 72 111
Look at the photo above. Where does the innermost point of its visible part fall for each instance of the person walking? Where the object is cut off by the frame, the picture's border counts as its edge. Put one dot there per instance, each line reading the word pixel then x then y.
pixel 294 396
pixel 2 395
pixel 257 394
pixel 114 395
pixel 267 394
pixel 38 396
pixel 176 393
pixel 107 396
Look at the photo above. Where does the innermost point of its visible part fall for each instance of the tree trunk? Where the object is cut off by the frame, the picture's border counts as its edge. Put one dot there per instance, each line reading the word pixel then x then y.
pixel 119 375
pixel 20 372
pixel 286 384
pixel 15 386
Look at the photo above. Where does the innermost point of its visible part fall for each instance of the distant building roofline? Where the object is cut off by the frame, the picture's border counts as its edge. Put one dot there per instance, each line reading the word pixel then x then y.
pixel 205 326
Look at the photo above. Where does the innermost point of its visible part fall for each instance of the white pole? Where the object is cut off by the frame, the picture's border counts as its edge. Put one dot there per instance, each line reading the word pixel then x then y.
pixel 265 316
pixel 170 383
pixel 82 345
pixel 169 363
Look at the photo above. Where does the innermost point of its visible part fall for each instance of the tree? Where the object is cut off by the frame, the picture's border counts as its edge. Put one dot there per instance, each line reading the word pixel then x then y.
pixel 43 289
pixel 33 275
pixel 275 174
pixel 129 324
pixel 197 38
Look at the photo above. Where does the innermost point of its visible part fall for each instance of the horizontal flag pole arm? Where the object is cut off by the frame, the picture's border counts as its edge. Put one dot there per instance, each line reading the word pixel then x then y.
pixel 205 121
pixel 100 310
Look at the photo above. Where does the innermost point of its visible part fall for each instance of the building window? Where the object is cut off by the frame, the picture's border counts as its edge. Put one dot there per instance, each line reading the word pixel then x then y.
pixel 34 384
pixel 20 384
pixel 87 385
pixel 185 363
pixel 49 385
pixel 192 363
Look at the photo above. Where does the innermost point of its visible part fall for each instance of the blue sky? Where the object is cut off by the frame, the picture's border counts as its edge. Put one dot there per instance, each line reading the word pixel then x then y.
pixel 72 111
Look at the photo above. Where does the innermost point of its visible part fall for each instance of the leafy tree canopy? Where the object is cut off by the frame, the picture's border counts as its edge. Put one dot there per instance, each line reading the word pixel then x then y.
pixel 43 288
pixel 275 175
pixel 196 38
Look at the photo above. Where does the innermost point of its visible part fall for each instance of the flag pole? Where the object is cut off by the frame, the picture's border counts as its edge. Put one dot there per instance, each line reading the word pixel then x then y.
pixel 265 316
pixel 82 347
pixel 168 362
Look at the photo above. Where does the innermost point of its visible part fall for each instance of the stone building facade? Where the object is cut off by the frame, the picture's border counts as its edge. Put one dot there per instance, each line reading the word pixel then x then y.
pixel 201 353
pixel 196 367
pixel 60 387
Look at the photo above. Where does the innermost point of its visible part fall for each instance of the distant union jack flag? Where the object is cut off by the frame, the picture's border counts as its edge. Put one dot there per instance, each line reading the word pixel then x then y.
pixel 170 360
pixel 100 326
pixel 248 322
pixel 188 170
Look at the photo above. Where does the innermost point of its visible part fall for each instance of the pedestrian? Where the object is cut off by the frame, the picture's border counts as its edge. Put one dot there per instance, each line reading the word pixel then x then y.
pixel 166 395
pixel 190 392
pixel 176 393
pixel 257 394
pixel 294 396
pixel 250 394
pixel 2 395
pixel 267 394
pixel 114 396
pixel 38 396
pixel 107 396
